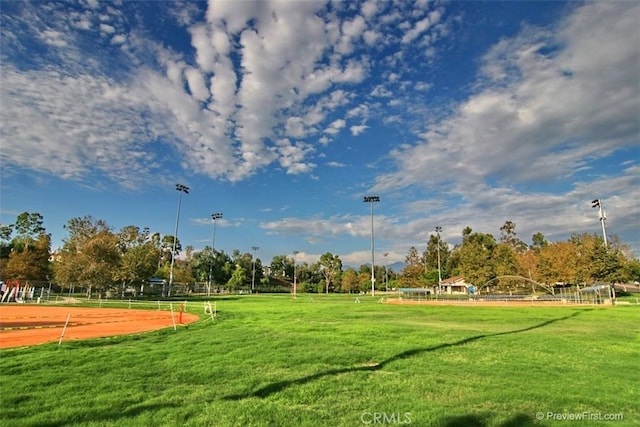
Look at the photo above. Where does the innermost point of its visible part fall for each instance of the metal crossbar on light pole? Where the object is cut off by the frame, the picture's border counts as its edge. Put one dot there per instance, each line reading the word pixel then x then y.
pixel 181 189
pixel 438 230
pixel 253 276
pixel 372 200
pixel 214 217
pixel 597 203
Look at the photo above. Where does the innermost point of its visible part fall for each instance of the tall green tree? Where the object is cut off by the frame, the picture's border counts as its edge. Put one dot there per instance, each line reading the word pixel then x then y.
pixel 413 269
pixel 476 258
pixel 282 267
pixel 238 278
pixel 90 256
pixel 509 237
pixel 139 256
pixel 430 256
pixel 31 262
pixel 330 266
pixel 26 255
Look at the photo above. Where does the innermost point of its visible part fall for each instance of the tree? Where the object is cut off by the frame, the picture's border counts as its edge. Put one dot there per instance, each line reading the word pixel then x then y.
pixel 505 263
pixel 413 269
pixel 476 253
pixel 282 267
pixel 139 256
pixel 430 257
pixel 28 228
pixel 349 281
pixel 538 241
pixel 90 255
pixel 330 266
pixel 26 256
pixel 557 263
pixel 508 236
pixel 30 263
pixel 238 278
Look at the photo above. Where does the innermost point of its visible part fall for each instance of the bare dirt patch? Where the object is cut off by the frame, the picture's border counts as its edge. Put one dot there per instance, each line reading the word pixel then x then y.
pixel 23 325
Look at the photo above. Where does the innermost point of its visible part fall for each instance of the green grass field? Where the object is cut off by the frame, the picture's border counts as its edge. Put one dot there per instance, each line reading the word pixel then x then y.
pixel 274 361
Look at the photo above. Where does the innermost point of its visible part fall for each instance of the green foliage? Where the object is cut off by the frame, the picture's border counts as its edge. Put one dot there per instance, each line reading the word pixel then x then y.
pixel 278 361
pixel 476 258
pixel 330 267
pixel 238 278
pixel 26 255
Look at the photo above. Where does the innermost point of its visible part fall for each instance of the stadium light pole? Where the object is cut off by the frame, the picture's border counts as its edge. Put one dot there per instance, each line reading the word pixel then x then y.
pixel 214 217
pixel 597 203
pixel 386 275
pixel 295 284
pixel 253 276
pixel 438 230
pixel 371 200
pixel 181 189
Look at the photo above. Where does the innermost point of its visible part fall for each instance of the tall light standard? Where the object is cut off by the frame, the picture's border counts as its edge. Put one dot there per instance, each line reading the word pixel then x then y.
pixel 386 275
pixel 597 203
pixel 214 217
pixel 181 189
pixel 253 276
pixel 295 284
pixel 438 230
pixel 372 200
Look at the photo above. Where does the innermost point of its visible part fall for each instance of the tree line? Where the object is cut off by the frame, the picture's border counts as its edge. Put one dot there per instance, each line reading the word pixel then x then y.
pixel 481 258
pixel 96 258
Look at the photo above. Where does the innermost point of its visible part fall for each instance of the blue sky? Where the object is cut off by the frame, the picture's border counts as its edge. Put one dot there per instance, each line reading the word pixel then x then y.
pixel 282 115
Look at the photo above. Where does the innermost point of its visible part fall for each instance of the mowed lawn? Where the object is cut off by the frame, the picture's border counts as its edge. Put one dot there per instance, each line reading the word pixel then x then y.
pixel 274 361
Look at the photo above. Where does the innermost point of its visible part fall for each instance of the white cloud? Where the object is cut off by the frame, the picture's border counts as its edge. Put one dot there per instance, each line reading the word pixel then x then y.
pixel 107 29
pixel 54 38
pixel 118 39
pixel 335 127
pixel 553 113
pixel 358 129
pixel 196 84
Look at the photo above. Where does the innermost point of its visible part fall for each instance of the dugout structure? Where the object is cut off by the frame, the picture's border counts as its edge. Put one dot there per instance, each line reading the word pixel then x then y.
pixel 414 294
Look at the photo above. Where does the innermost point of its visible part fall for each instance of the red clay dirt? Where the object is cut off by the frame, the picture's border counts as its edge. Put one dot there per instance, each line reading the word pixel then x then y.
pixel 24 325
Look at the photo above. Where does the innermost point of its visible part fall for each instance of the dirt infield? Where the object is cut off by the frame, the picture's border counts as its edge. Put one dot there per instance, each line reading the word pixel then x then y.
pixel 23 325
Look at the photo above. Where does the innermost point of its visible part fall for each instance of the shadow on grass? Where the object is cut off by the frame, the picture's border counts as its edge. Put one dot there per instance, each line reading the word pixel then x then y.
pixel 483 420
pixel 108 417
pixel 281 385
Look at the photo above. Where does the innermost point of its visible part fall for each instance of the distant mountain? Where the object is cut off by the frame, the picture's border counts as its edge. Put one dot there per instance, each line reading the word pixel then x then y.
pixel 396 266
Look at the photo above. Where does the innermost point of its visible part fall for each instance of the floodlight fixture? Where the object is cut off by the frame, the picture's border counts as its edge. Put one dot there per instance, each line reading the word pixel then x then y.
pixel 597 203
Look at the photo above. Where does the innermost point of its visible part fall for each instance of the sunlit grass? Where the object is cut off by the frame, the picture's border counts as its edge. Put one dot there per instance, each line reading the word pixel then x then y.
pixel 276 361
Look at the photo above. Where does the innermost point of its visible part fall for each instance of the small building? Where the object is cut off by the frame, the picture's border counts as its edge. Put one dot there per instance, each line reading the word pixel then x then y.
pixel 455 285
